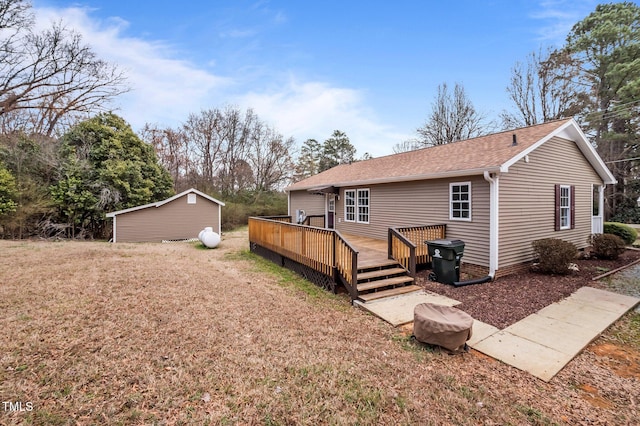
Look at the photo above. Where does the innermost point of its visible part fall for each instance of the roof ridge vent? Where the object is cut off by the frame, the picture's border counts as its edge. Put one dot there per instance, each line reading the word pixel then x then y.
pixel 515 140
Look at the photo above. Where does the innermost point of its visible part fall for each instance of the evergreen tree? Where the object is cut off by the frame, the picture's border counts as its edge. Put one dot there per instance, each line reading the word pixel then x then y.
pixel 336 150
pixel 106 167
pixel 605 48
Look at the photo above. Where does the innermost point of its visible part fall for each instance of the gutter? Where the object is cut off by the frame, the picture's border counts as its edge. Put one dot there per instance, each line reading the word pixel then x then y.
pixel 375 181
pixel 494 197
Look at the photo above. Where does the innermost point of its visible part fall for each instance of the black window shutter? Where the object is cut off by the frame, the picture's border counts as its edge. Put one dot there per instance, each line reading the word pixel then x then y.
pixel 557 212
pixel 573 206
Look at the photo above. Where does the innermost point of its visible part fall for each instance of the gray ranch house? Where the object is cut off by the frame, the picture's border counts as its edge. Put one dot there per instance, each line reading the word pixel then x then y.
pixel 180 217
pixel 497 193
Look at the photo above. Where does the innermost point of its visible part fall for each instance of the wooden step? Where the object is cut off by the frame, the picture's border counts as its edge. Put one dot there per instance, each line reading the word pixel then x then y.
pixel 388 293
pixel 372 285
pixel 380 273
pixel 367 266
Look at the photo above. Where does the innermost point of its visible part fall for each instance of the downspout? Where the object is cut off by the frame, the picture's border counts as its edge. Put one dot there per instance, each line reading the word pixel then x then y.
pixel 493 232
pixel 494 215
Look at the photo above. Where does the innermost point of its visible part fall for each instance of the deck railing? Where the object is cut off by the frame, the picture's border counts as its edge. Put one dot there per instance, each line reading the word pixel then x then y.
pixel 281 218
pixel 323 250
pixel 316 220
pixel 346 262
pixel 400 248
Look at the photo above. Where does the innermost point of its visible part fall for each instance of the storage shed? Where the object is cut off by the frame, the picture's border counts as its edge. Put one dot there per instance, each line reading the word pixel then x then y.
pixel 179 217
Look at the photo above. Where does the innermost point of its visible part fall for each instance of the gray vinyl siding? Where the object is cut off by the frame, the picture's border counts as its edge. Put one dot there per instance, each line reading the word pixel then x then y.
pixel 172 221
pixel 424 203
pixel 312 204
pixel 527 199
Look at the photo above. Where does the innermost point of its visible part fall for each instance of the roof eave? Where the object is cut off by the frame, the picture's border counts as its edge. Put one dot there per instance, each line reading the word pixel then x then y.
pixel 442 175
pixel 163 202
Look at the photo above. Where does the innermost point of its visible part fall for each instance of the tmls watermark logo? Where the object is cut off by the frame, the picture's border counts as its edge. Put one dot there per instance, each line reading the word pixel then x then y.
pixel 17 406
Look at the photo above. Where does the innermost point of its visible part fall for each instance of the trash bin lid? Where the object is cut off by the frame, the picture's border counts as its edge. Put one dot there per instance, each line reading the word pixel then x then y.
pixel 445 243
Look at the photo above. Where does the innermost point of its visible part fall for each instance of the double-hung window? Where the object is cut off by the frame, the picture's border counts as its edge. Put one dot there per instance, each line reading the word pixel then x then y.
pixel 350 205
pixel 565 207
pixel 356 205
pixel 460 201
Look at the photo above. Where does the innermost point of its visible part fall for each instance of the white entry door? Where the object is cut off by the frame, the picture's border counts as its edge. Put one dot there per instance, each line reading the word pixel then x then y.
pixel 597 220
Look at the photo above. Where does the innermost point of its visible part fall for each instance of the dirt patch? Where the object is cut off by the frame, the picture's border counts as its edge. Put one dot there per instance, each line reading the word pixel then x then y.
pixel 594 398
pixel 623 360
pixel 512 298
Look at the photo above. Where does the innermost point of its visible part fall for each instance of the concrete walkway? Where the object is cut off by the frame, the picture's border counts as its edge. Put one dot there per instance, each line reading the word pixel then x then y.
pixel 542 343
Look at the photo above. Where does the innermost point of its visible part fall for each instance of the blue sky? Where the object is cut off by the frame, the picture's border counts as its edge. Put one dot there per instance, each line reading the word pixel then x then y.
pixel 368 68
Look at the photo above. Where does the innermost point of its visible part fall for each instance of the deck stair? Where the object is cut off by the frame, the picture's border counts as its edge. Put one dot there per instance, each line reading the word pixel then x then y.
pixel 383 279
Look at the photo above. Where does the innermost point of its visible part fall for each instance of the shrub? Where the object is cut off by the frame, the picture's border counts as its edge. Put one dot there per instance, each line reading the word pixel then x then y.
pixel 628 234
pixel 554 255
pixel 607 246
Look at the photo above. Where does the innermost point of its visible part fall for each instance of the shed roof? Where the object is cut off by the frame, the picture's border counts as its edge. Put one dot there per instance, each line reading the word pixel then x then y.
pixel 492 153
pixel 168 200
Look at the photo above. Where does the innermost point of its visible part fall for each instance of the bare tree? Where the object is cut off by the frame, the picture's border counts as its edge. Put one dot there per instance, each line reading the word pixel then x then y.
pixel 543 89
pixel 203 134
pixel 48 78
pixel 408 145
pixel 233 150
pixel 270 159
pixel 174 153
pixel 453 117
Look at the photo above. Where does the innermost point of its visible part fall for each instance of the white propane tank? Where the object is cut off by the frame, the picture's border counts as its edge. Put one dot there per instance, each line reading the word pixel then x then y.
pixel 209 238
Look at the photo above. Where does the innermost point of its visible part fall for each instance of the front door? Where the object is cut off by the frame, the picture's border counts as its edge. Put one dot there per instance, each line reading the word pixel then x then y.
pixel 331 210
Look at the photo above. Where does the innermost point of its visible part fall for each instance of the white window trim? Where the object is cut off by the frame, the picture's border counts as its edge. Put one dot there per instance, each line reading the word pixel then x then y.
pixel 191 198
pixel 565 208
pixel 461 219
pixel 356 206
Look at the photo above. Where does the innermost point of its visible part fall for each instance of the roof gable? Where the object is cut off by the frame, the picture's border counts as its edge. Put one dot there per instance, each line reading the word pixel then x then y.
pixel 168 200
pixel 492 153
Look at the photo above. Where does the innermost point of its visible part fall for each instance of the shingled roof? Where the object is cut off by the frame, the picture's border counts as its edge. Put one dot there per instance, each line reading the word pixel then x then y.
pixel 492 153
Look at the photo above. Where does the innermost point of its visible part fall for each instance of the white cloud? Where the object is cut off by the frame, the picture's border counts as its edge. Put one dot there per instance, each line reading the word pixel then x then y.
pixel 313 110
pixel 560 16
pixel 164 89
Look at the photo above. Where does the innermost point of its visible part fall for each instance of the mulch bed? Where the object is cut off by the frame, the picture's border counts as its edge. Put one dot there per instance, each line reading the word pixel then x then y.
pixel 511 298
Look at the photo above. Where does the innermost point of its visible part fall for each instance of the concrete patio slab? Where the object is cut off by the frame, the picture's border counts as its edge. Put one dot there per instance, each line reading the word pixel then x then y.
pixel 480 331
pixel 606 300
pixel 534 358
pixel 398 310
pixel 544 342
pixel 561 336
pixel 581 313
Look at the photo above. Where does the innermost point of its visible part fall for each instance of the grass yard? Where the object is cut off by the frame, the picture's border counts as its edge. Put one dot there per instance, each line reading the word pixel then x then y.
pixel 94 333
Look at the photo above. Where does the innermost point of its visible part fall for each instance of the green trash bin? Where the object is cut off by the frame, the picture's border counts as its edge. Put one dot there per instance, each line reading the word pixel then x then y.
pixel 445 260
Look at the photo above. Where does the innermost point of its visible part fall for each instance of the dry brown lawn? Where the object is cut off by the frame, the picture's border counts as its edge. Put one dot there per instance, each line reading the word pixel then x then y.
pixel 95 333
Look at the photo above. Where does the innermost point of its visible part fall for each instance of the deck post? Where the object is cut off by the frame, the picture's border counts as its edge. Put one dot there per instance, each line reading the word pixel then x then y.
pixel 412 261
pixel 354 276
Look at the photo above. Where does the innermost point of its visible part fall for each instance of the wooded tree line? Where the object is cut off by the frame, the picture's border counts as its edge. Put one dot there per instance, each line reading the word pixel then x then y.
pixel 65 162
pixel 224 151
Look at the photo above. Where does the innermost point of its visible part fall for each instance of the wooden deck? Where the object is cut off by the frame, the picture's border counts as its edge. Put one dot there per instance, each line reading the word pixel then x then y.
pixel 371 252
pixel 368 268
